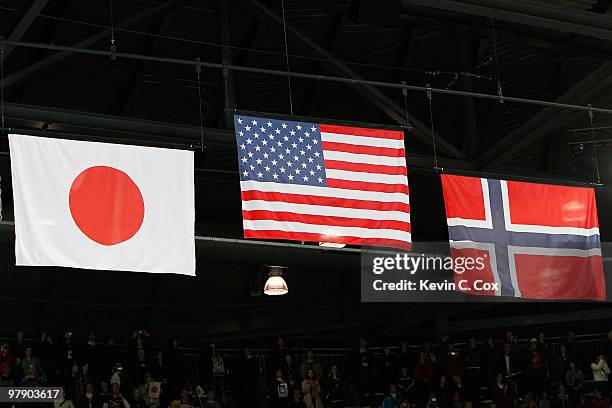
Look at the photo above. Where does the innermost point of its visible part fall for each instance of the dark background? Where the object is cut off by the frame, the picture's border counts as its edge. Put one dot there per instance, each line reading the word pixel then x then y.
pixel 562 56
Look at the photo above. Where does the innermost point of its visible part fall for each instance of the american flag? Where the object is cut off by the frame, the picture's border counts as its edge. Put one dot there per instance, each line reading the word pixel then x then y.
pixel 322 183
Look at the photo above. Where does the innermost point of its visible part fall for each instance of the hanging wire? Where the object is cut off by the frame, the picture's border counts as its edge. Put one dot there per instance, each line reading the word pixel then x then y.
pixel 287 56
pixel 296 56
pixel 499 87
pixel 433 135
pixel 2 82
pixel 405 93
pixel 198 69
pixel 302 75
pixel 596 161
pixel 113 47
pixel 225 82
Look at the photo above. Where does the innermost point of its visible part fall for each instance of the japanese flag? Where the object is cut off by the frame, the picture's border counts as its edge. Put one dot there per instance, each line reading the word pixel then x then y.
pixel 154 389
pixel 102 206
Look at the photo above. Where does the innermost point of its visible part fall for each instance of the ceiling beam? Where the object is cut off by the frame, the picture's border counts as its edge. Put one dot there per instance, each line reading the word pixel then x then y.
pixel 529 13
pixel 225 36
pixel 35 69
pixel 122 129
pixel 138 72
pixel 378 98
pixel 25 21
pixel 189 93
pixel 333 27
pixel 549 119
pixel 408 50
pixel 535 36
pixel 145 130
pixel 467 60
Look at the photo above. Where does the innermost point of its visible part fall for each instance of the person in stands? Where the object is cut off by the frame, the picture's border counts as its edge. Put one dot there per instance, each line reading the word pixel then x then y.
pixel 116 400
pixel 312 390
pixel 212 402
pixel 32 378
pixel 29 360
pixel 89 400
pixel 499 393
pixel 310 362
pixel 335 389
pixel 393 399
pixel 135 400
pixel 574 380
pixel 6 366
pixel 405 384
pixel 601 370
pixel 62 401
pixel 279 391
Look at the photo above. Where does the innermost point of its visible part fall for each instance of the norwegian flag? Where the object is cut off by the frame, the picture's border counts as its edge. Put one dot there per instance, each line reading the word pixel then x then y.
pixel 541 241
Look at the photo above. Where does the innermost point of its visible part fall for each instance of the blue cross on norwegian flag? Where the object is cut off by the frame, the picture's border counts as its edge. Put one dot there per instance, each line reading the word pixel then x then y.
pixel 541 241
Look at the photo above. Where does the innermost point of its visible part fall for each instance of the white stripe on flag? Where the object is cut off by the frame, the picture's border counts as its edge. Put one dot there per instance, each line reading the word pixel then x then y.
pixel 581 253
pixel 285 188
pixel 362 140
pixel 364 158
pixel 323 211
pixel 368 177
pixel 259 225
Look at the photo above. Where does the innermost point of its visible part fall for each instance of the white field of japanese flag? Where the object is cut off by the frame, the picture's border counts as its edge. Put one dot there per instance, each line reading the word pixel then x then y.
pixel 102 206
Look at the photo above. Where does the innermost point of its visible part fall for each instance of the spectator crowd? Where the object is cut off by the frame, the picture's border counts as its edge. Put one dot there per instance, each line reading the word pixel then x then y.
pixel 497 373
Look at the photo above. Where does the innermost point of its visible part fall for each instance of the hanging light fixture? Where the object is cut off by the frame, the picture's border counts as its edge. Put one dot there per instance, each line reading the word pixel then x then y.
pixel 275 285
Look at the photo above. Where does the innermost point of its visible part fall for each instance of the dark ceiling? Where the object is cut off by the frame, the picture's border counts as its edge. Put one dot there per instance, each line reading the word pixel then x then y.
pixel 548 50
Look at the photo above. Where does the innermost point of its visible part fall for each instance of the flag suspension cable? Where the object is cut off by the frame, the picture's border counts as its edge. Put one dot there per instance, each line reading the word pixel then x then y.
pixel 198 69
pixel 287 58
pixel 405 94
pixel 499 87
pixel 301 75
pixel 594 145
pixel 433 135
pixel 2 81
pixel 113 46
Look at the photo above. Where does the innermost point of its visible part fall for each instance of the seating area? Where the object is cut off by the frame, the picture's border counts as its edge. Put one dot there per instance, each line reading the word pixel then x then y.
pixel 507 371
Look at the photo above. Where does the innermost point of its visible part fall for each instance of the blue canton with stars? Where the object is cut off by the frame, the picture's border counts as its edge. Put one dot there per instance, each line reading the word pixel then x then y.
pixel 280 151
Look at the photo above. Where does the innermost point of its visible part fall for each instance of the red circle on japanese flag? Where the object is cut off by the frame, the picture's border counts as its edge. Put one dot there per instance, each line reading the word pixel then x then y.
pixel 106 205
pixel 154 389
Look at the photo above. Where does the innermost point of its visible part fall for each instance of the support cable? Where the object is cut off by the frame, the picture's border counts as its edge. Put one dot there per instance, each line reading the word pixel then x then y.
pixel 315 77
pixel 594 145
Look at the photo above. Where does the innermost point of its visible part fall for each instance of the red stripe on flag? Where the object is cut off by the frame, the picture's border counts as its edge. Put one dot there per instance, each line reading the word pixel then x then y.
pixel 309 237
pixel 359 149
pixel 358 131
pixel 365 168
pixel 367 186
pixel 463 197
pixel 325 201
pixel 560 277
pixel 552 205
pixel 471 275
pixel 325 220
